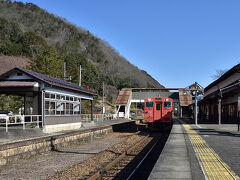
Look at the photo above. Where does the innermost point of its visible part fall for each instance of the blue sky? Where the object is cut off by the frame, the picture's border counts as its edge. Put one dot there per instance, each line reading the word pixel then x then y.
pixel 177 42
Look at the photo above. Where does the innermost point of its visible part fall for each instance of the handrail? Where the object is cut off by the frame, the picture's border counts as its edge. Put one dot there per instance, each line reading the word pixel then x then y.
pixel 20 119
pixel 97 117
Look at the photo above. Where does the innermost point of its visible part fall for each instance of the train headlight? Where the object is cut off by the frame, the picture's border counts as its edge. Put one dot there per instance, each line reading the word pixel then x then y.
pixel 149 99
pixel 166 99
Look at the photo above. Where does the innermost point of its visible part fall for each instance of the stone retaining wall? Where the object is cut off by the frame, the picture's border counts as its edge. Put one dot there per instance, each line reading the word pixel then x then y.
pixel 26 148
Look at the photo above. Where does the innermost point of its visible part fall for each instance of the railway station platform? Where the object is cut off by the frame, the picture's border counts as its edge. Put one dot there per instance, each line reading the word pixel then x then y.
pixel 16 133
pixel 204 151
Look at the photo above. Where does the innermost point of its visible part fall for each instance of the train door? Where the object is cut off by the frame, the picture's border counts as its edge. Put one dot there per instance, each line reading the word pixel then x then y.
pixel 158 111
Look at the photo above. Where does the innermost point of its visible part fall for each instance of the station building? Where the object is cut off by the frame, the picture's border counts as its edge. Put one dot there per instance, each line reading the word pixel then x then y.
pixel 57 102
pixel 127 96
pixel 222 99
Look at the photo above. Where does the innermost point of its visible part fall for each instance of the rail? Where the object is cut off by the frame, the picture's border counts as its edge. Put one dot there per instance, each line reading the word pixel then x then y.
pixel 20 120
pixel 99 173
pixel 140 163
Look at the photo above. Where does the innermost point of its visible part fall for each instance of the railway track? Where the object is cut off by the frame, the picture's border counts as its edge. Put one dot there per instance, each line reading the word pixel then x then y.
pixel 139 151
pixel 127 164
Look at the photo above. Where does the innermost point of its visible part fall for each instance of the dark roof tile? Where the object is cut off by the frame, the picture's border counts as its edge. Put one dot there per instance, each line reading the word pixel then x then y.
pixel 55 82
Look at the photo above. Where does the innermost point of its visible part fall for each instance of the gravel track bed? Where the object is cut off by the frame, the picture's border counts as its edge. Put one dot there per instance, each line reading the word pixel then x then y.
pixel 123 168
pixel 90 166
pixel 45 165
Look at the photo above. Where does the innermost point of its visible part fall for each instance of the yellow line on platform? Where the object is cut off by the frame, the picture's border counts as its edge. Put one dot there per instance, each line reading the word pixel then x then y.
pixel 213 166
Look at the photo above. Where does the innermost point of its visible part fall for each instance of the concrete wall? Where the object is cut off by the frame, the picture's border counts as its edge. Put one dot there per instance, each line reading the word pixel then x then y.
pixel 54 120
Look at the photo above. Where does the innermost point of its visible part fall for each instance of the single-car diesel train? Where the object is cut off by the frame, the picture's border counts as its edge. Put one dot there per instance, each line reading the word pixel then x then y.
pixel 158 112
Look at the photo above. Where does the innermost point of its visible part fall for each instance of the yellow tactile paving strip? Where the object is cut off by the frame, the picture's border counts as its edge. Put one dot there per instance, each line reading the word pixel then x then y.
pixel 211 163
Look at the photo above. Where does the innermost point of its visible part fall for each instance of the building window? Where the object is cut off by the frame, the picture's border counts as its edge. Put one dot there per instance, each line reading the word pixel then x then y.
pixel 56 104
pixel 76 108
pixel 60 108
pixel 47 107
pixel 52 108
pixel 71 108
pixel 57 96
pixel 52 96
pixel 47 95
pixel 67 108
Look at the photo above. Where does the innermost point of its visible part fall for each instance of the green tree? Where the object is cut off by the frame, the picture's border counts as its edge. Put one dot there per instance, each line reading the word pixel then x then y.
pixel 10 33
pixel 11 103
pixel 90 74
pixel 47 62
pixel 33 44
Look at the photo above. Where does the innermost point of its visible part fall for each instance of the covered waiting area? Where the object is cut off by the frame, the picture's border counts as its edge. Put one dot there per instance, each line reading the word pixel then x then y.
pixel 54 104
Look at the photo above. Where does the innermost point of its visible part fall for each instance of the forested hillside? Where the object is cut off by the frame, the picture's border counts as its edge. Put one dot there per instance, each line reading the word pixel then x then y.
pixel 47 40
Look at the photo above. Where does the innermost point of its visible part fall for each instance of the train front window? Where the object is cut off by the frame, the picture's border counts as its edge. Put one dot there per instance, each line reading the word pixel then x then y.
pixel 149 104
pixel 158 107
pixel 166 104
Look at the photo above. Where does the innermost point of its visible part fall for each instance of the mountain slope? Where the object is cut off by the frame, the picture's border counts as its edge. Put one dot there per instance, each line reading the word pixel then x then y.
pixel 70 40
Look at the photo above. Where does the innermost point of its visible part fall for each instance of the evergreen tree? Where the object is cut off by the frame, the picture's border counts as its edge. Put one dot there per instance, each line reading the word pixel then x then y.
pixel 47 62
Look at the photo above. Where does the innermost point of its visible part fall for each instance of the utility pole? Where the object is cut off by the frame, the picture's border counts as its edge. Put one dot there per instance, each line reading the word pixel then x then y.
pixel 80 75
pixel 69 78
pixel 64 70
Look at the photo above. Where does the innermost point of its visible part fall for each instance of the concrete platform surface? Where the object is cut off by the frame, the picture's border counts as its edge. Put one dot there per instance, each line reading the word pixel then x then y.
pixel 16 133
pixel 173 162
pixel 205 151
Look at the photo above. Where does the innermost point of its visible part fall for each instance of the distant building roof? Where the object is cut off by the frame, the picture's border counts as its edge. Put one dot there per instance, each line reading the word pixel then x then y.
pixel 123 96
pixel 49 80
pixel 185 97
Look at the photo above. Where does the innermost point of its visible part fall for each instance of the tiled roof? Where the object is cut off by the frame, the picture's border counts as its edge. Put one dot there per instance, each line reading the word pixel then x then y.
pixel 123 96
pixel 53 81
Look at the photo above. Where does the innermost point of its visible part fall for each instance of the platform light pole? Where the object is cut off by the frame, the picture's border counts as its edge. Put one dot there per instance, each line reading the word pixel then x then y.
pixel 196 103
pixel 195 88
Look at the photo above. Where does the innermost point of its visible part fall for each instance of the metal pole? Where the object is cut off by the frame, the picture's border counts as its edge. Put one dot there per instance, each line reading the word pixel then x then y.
pixel 136 109
pixel 180 111
pixel 43 108
pixel 38 121
pixel 196 103
pixel 80 110
pixel 238 114
pixel 23 122
pixel 91 110
pixel 6 124
pixel 219 111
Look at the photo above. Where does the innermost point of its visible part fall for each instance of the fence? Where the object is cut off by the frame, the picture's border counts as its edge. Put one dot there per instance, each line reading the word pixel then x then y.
pixel 97 117
pixel 21 120
pixel 37 119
